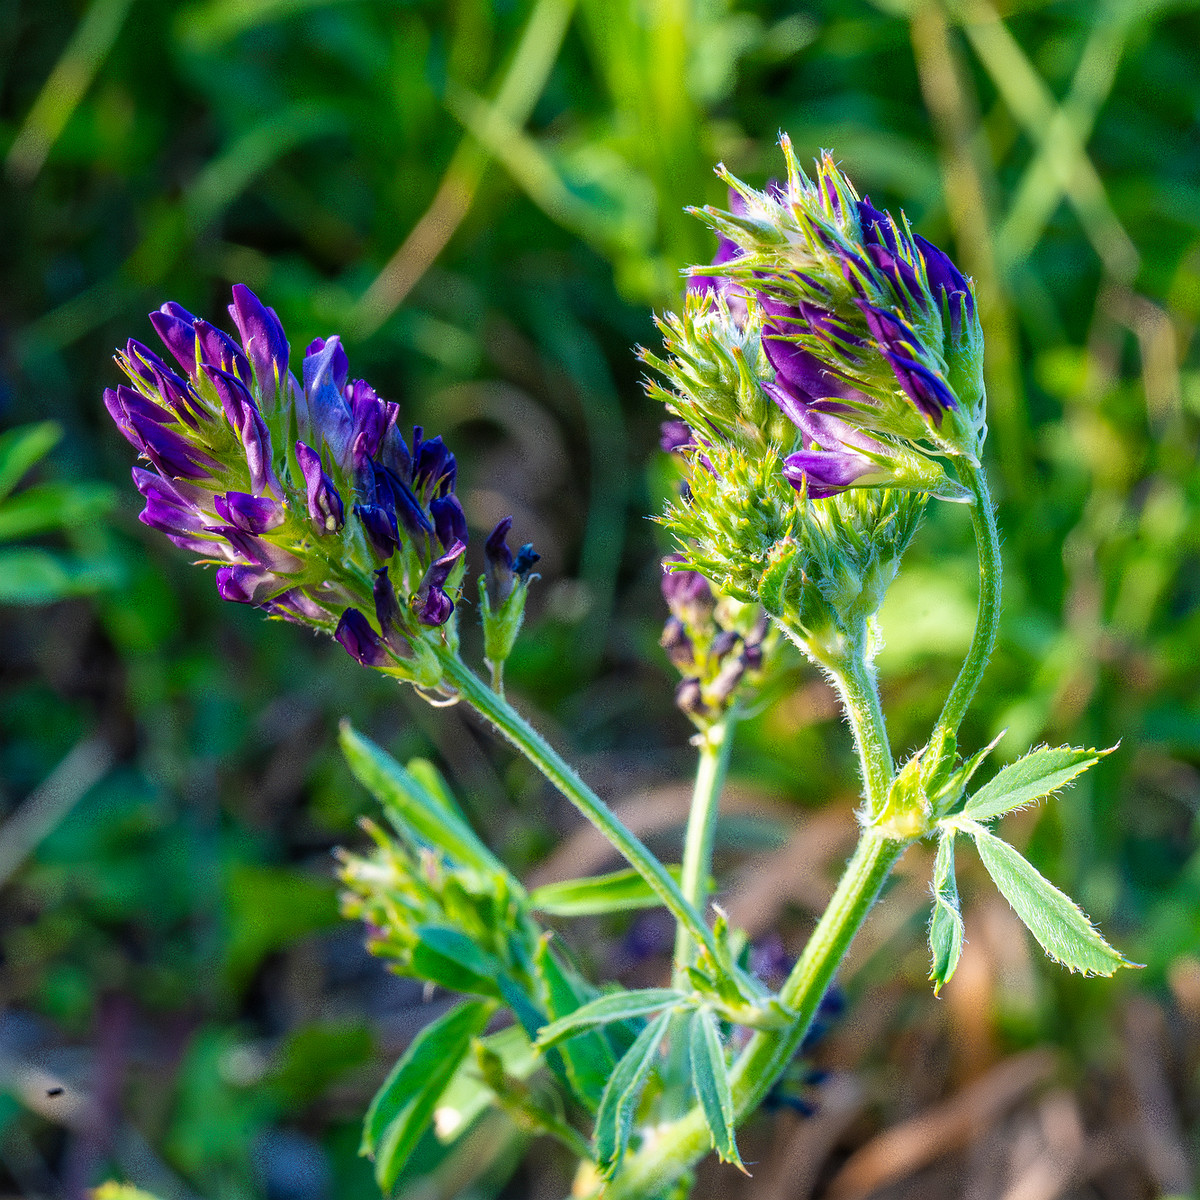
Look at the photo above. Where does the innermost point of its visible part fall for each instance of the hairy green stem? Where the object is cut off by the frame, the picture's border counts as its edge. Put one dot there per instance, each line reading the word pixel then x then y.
pixel 715 745
pixel 854 679
pixel 676 1146
pixel 525 738
pixel 987 620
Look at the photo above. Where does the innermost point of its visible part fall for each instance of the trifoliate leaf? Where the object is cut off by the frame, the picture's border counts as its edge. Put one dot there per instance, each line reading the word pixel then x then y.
pixel 1055 920
pixel 945 925
pixel 1030 778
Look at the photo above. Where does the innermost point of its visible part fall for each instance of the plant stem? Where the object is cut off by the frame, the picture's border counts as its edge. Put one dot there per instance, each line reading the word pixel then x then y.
pixel 854 679
pixel 987 620
pixel 525 738
pixel 677 1145
pixel 715 744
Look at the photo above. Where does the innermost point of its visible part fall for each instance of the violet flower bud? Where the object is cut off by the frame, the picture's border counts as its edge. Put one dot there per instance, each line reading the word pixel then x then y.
pixel 433 606
pixel 176 326
pixel 325 506
pixel 359 640
pixel 252 514
pixel 379 524
pixel 263 337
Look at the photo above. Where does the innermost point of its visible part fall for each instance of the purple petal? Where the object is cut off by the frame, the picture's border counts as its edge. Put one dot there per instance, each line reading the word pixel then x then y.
pixel 379 524
pixel 449 520
pixel 359 640
pixel 252 514
pixel 498 563
pixel 244 584
pixel 675 435
pixel 927 390
pixel 827 471
pixel 339 363
pixel 387 607
pixel 325 506
pixel 218 349
pixel 878 228
pixel 294 605
pixel 904 278
pixel 687 593
pixel 325 372
pixel 263 337
pixel 176 326
pixel 431 602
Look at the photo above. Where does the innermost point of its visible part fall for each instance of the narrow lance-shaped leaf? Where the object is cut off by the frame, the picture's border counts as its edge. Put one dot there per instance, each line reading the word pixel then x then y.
pixel 452 960
pixel 404 1106
pixel 20 448
pixel 945 925
pixel 1055 920
pixel 1030 778
pixel 614 1120
pixel 711 1075
pixel 620 891
pixel 585 1062
pixel 409 805
pixel 619 1006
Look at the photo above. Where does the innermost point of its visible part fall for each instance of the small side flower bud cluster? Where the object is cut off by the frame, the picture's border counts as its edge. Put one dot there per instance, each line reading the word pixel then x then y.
pixel 503 589
pixel 717 644
pixel 308 498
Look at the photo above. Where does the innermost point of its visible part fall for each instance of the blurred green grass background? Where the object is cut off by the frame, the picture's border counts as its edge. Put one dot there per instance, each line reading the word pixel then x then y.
pixel 486 200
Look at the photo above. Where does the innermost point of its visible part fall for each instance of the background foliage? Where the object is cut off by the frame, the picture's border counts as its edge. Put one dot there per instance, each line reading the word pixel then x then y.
pixel 486 200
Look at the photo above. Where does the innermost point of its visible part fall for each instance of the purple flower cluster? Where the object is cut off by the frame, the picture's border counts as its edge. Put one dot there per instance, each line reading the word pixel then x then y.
pixel 862 324
pixel 711 649
pixel 307 496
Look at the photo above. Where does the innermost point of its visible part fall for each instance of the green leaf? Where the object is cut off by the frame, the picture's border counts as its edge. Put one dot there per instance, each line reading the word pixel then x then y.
pixel 435 785
pixel 584 1062
pixel 945 926
pixel 618 1006
pixel 619 892
pixel 1054 919
pixel 1030 778
pixel 467 1095
pixel 404 1106
pixel 614 1120
pixel 711 1075
pixel 20 448
pixel 411 808
pixel 50 506
pixel 452 960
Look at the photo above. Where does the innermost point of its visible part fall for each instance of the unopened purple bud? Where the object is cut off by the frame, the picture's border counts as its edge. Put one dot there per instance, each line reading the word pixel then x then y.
pixel 524 560
pixel 370 419
pixel 144 425
pixel 432 604
pixel 688 594
pixel 878 228
pixel 242 413
pixel 449 520
pixel 499 576
pixel 387 607
pixel 379 524
pixel 218 349
pixel 689 697
pixel 927 390
pixel 675 435
pixel 675 641
pixel 251 514
pixel 325 370
pixel 176 326
pixel 359 640
pixel 339 364
pixel 294 605
pixel 946 279
pixel 394 494
pixel 244 584
pixel 904 278
pixel 434 468
pixel 325 506
pixel 263 337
